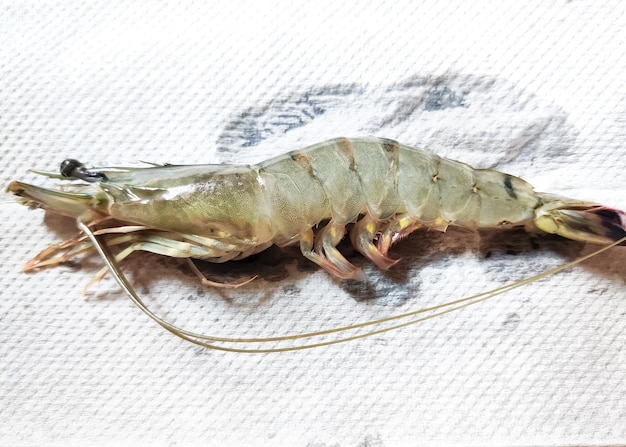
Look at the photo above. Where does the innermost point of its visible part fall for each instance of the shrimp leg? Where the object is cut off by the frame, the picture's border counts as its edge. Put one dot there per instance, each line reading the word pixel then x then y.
pixel 362 236
pixel 326 254
pixel 395 230
pixel 166 246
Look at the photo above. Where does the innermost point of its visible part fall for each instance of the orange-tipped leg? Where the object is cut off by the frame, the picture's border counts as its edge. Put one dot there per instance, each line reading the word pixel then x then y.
pixel 326 254
pixel 362 235
pixel 58 253
pixel 394 231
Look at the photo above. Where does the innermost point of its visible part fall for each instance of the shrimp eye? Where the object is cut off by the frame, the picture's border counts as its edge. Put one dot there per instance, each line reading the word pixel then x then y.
pixel 72 168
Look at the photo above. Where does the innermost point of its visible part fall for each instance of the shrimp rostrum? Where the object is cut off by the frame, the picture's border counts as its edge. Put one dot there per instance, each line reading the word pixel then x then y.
pixel 382 189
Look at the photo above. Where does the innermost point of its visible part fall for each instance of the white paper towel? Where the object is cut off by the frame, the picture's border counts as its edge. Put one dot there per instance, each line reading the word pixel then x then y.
pixel 534 88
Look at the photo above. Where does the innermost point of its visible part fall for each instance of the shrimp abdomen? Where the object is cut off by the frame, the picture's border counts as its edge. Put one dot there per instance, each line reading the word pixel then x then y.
pixel 342 179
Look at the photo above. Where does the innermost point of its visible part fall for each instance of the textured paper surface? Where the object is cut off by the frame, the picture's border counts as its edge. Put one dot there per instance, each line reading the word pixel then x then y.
pixel 534 88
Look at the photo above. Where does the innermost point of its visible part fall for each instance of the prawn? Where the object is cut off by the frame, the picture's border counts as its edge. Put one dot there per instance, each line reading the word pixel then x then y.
pixel 382 189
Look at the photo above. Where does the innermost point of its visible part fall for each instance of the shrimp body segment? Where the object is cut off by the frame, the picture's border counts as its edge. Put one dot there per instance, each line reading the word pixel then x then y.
pixel 308 197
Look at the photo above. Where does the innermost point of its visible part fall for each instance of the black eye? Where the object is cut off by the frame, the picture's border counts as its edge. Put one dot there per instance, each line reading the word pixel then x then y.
pixel 72 168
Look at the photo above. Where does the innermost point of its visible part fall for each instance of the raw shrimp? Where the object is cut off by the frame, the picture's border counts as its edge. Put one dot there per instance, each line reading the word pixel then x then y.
pixel 219 213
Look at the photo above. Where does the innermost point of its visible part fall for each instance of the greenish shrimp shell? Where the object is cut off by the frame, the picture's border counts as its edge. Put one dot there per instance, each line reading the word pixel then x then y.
pixel 340 180
pixel 228 212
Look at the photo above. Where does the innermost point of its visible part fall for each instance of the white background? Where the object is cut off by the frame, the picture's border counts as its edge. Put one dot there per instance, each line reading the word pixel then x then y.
pixel 534 88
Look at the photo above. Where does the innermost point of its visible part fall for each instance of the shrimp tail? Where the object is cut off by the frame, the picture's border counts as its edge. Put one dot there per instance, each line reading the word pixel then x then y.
pixel 580 221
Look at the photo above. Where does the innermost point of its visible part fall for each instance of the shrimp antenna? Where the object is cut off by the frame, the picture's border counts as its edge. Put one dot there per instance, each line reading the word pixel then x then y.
pixel 209 342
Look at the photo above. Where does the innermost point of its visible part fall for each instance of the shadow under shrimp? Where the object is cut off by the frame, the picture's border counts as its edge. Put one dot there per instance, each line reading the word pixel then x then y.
pixel 391 287
pixel 426 248
pixel 396 286
pixel 268 265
